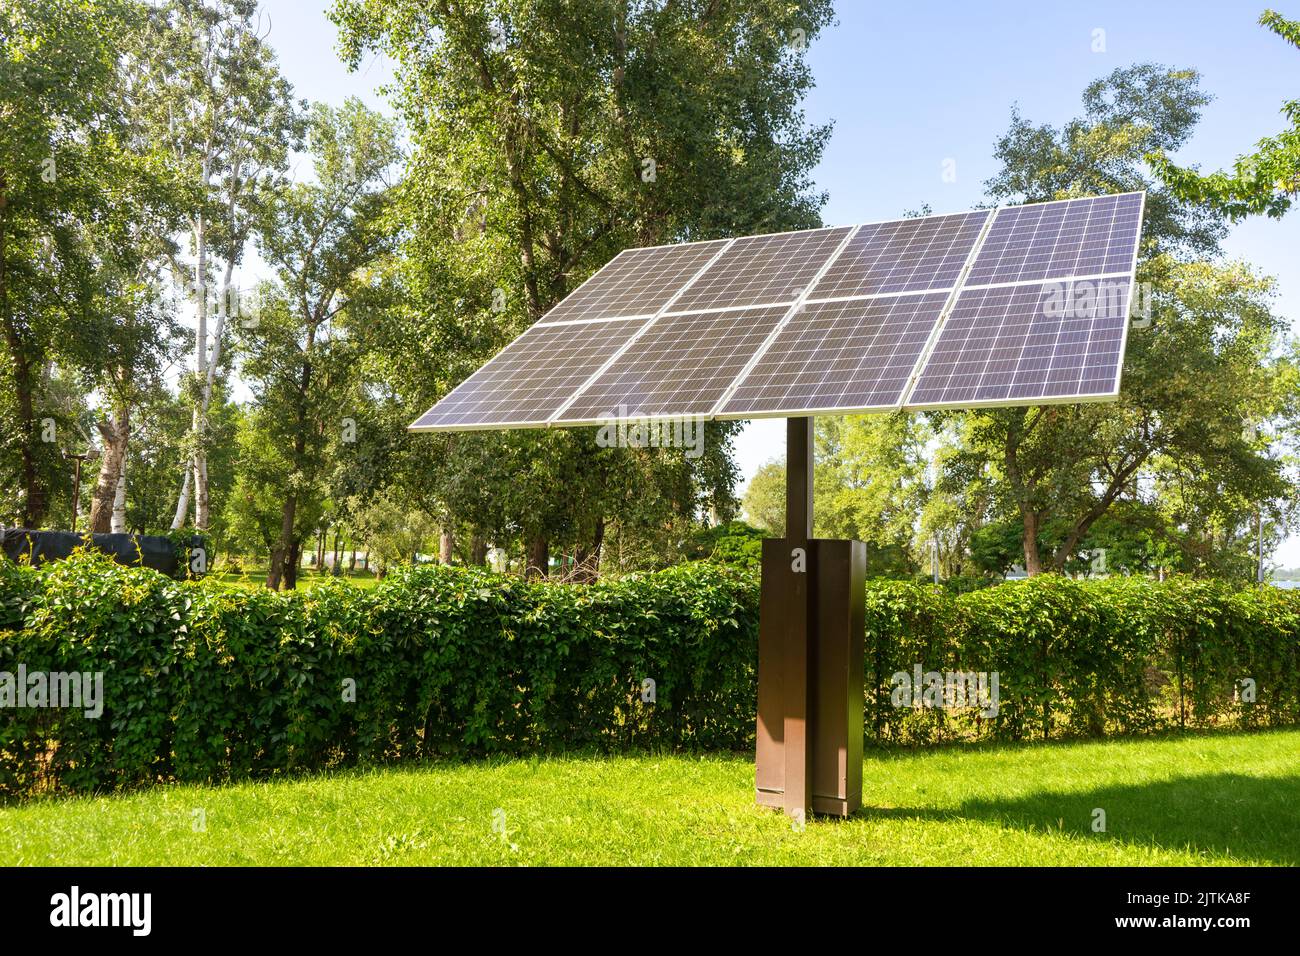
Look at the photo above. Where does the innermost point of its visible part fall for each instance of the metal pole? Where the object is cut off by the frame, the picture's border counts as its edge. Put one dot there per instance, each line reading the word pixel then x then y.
pixel 798 529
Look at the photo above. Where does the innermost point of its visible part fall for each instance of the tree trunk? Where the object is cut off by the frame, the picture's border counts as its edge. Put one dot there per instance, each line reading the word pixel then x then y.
pixel 182 501
pixel 118 523
pixel 478 550
pixel 445 545
pixel 115 432
pixel 198 419
pixel 586 559
pixel 201 504
pixel 539 558
pixel 35 500
pixel 1033 563
pixel 291 566
pixel 282 555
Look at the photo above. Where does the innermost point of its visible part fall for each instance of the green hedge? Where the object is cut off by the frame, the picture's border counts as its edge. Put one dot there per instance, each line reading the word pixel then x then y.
pixel 209 682
pixel 205 681
pixel 1087 658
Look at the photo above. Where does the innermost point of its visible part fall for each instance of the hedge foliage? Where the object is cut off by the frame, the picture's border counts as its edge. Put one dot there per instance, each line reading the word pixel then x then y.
pixel 206 681
pixel 209 682
pixel 1088 658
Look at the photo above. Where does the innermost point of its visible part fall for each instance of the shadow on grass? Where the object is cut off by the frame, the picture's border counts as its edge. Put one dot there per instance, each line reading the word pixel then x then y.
pixel 1251 818
pixel 892 750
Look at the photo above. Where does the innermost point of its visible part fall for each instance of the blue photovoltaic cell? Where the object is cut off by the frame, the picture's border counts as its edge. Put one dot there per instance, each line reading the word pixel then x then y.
pixel 762 270
pixel 905 255
pixel 1078 237
pixel 1014 344
pixel 682 365
pixel 850 354
pixel 532 377
pixel 635 282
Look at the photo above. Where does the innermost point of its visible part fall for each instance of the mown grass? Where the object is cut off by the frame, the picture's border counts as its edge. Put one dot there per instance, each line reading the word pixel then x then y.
pixel 1213 799
pixel 307 578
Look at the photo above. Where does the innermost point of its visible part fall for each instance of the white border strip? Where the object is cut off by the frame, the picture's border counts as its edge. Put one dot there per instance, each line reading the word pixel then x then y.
pixel 802 411
pixel 923 358
pixel 606 318
pixel 1132 290
pixel 1048 280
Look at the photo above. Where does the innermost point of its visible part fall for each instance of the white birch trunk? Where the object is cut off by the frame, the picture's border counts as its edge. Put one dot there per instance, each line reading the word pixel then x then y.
pixel 119 500
pixel 183 502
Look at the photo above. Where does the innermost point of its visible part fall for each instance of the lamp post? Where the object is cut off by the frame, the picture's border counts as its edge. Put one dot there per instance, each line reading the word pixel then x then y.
pixel 90 454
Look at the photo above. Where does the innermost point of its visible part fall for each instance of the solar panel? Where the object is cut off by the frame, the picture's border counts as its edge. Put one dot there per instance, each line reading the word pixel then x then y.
pixel 1014 344
pixel 680 366
pixel 762 270
pixel 1016 306
pixel 532 377
pixel 635 282
pixel 854 353
pixel 1073 237
pixel 903 256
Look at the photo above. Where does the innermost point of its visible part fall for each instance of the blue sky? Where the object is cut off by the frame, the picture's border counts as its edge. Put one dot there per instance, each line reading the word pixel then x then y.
pixel 912 85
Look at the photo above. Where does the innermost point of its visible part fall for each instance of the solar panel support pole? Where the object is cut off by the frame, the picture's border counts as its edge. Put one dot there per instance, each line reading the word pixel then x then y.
pixel 799 641
pixel 808 737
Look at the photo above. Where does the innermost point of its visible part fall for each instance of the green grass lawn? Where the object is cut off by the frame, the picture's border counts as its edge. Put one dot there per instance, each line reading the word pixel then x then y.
pixel 307 577
pixel 1221 799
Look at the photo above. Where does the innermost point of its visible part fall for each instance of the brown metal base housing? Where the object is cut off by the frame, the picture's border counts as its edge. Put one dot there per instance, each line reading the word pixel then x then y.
pixel 835 580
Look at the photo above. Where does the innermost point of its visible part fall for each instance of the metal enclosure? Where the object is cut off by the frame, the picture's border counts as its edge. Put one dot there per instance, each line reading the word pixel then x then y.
pixel 828 746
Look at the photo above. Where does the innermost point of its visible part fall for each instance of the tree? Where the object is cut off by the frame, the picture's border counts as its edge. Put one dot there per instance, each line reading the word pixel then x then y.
pixel 392 530
pixel 549 136
pixel 870 484
pixel 79 199
pixel 321 238
pixel 216 100
pixel 1208 363
pixel 1265 181
pixel 764 501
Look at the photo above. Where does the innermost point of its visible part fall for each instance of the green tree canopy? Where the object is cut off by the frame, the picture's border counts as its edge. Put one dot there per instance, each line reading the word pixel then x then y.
pixel 1264 181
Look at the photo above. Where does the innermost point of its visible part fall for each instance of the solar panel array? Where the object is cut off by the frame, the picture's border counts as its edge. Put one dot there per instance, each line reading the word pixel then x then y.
pixel 1018 305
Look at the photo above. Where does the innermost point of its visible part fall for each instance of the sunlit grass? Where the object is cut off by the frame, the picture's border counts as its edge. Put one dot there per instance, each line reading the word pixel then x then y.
pixel 1217 799
pixel 307 578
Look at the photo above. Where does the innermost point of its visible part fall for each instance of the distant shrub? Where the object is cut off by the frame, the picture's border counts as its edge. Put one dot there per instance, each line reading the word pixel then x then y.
pixel 735 543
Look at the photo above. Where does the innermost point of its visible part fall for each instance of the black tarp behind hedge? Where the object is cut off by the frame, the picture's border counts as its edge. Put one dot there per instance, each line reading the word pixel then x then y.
pixel 137 550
